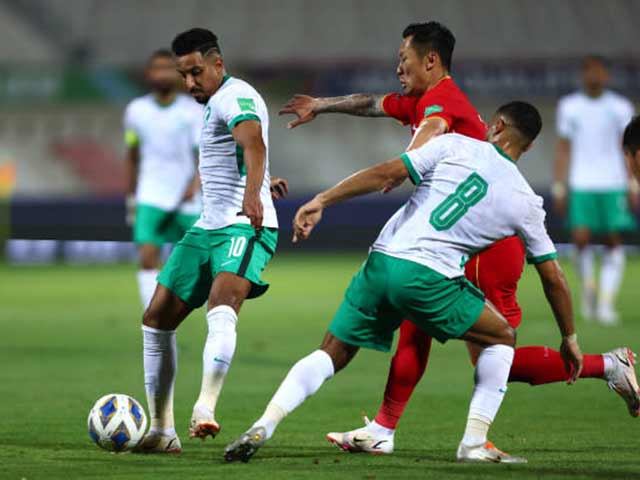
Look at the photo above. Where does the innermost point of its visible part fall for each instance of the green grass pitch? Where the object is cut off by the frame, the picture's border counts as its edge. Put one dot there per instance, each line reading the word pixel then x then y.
pixel 69 334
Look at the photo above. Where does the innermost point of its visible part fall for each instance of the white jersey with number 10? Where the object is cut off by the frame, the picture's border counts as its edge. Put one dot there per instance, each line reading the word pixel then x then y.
pixel 469 195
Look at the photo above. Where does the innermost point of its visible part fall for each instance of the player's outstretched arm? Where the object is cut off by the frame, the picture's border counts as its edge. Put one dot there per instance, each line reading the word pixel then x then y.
pixel 558 295
pixel 248 135
pixel 372 179
pixel 306 108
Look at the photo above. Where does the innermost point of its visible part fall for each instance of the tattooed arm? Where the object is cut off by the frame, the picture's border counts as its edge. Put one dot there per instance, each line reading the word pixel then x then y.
pixel 306 108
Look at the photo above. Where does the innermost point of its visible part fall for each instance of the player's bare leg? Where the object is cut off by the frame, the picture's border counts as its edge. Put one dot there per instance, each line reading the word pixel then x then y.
pixel 149 255
pixel 303 380
pixel 227 294
pixel 160 321
pixel 496 339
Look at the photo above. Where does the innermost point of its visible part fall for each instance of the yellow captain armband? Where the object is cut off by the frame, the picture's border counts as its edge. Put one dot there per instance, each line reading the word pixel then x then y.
pixel 131 138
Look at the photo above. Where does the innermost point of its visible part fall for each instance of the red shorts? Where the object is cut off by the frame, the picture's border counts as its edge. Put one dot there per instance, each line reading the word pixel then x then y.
pixel 496 272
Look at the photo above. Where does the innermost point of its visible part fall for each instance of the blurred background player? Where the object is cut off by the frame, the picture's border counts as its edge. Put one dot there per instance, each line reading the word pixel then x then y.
pixel 221 258
pixel 162 131
pixel 432 104
pixel 591 171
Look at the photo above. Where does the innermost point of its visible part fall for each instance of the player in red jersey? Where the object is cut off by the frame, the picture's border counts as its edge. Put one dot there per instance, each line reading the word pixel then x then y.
pixel 433 105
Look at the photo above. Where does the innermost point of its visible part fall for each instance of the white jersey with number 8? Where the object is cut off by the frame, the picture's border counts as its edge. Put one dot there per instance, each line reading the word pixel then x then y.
pixel 469 195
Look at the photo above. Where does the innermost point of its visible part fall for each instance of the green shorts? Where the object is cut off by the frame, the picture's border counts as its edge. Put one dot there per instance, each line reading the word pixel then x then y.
pixel 600 212
pixel 202 254
pixel 387 290
pixel 157 226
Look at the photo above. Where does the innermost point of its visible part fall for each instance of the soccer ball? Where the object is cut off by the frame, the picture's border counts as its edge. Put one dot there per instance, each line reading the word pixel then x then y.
pixel 117 422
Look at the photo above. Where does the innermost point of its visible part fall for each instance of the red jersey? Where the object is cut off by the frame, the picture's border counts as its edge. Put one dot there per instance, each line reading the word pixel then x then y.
pixel 446 101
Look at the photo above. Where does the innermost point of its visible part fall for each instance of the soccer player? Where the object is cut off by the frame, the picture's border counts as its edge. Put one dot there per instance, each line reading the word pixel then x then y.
pixel 162 130
pixel 432 104
pixel 590 123
pixel 221 258
pixel 469 194
pixel 631 145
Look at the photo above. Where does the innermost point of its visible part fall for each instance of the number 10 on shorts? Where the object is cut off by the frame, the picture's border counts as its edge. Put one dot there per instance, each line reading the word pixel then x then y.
pixel 237 246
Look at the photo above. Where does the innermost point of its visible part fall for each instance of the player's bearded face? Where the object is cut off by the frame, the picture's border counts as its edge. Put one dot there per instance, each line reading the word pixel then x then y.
pixel 411 72
pixel 202 76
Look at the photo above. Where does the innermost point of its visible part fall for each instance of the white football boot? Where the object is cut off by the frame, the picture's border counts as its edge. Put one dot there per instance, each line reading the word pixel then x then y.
pixel 203 423
pixel 485 453
pixel 156 442
pixel 362 440
pixel 622 378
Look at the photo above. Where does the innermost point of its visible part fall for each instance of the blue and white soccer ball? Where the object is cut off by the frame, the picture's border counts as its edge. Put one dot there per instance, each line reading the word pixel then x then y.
pixel 117 422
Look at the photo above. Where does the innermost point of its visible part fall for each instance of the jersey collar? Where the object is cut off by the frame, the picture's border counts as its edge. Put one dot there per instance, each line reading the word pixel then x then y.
pixel 501 152
pixel 224 79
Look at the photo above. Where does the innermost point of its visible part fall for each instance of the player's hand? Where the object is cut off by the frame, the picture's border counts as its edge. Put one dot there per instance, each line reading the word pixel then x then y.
pixel 307 217
pixel 302 106
pixel 252 208
pixel 572 358
pixel 279 188
pixel 130 205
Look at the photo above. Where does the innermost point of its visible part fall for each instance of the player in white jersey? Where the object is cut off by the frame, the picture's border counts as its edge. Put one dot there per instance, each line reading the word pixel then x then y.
pixel 162 131
pixel 591 163
pixel 469 195
pixel 221 258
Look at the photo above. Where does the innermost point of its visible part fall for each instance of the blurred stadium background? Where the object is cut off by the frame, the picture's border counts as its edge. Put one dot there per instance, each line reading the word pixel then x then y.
pixel 68 67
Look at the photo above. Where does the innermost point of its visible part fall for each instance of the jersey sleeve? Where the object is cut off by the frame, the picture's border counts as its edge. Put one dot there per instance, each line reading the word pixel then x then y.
pixel 424 159
pixel 626 114
pixel 437 105
pixel 563 120
pixel 400 107
pixel 533 233
pixel 131 135
pixel 237 105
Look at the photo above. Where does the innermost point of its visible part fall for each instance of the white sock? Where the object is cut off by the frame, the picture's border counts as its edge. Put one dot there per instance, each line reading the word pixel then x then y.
pixel 584 264
pixel 492 374
pixel 160 365
pixel 303 380
pixel 147 285
pixel 378 429
pixel 613 262
pixel 218 353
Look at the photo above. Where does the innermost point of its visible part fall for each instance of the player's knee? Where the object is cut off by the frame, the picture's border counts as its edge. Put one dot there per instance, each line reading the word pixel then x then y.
pixel 341 353
pixel 508 336
pixel 150 318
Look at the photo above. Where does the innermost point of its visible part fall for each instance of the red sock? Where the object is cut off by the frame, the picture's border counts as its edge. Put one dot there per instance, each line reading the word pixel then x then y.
pixel 407 367
pixel 539 365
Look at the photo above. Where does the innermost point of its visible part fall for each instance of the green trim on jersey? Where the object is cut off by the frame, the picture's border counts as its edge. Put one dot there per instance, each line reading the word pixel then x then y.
pixel 542 258
pixel 131 138
pixel 387 290
pixel 501 152
pixel 202 254
pixel 413 175
pixel 241 118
